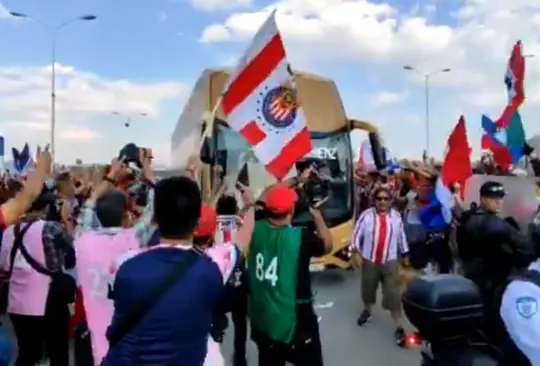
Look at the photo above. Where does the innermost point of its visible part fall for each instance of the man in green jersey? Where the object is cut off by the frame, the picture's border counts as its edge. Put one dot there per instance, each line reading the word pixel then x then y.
pixel 283 323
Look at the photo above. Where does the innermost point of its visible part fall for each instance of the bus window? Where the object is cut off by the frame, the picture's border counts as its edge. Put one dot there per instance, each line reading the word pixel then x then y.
pixel 332 153
pixel 231 150
pixel 333 156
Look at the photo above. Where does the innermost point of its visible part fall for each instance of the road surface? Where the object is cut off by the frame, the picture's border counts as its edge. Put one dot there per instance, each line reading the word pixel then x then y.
pixel 337 294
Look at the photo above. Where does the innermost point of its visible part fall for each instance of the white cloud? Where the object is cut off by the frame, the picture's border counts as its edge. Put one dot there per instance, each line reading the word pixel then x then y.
pixel 361 30
pixel 386 98
pixel 215 33
pixel 4 13
pixel 325 34
pixel 211 5
pixel 85 127
pixel 163 17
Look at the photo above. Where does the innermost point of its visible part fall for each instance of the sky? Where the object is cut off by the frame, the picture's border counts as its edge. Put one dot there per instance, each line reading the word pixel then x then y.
pixel 142 57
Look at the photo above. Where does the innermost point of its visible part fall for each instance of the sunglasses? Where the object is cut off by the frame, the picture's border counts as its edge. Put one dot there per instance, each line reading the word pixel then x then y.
pixel 382 198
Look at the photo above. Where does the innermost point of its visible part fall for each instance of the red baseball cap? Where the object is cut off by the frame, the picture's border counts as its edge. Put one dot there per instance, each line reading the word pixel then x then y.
pixel 207 223
pixel 280 199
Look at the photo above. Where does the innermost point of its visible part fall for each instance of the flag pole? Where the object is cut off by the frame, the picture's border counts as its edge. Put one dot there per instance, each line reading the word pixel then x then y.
pixel 209 118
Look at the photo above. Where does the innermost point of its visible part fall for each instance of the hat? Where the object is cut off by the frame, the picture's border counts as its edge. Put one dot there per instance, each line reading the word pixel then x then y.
pixel 281 199
pixel 492 189
pixel 207 223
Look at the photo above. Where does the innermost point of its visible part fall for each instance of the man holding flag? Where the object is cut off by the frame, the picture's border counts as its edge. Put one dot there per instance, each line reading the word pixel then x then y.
pixel 260 103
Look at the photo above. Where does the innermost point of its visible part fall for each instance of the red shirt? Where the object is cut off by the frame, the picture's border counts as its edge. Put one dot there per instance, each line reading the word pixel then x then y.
pixel 381 237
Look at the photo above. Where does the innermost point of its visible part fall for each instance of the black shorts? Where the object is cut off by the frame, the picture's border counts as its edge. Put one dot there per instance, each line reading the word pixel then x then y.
pixel 305 350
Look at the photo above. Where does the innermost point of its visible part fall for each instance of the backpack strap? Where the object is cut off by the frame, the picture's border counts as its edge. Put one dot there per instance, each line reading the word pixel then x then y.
pixel 36 266
pixel 18 236
pixel 139 311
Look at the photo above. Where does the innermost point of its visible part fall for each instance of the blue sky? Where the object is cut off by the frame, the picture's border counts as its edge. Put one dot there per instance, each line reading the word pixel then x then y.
pixel 144 56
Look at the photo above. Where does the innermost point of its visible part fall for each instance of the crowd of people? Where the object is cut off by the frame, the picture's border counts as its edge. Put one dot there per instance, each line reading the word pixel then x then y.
pixel 150 288
pixel 153 270
pixel 479 244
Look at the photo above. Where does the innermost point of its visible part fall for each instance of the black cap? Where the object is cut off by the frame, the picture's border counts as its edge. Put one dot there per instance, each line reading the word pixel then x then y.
pixel 492 189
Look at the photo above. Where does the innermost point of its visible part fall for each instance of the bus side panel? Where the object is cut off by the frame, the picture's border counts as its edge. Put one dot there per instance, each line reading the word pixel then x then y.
pixel 186 137
pixel 218 81
pixel 322 105
pixel 341 239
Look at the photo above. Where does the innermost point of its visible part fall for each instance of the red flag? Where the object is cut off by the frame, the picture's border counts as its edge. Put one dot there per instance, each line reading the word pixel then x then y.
pixel 515 75
pixel 501 154
pixel 457 167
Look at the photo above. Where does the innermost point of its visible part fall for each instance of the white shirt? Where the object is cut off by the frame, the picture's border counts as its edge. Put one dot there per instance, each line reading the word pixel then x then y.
pixel 521 316
pixel 380 238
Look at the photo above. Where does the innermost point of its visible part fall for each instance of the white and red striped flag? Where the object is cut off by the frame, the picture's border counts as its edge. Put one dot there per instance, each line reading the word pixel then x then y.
pixel 260 102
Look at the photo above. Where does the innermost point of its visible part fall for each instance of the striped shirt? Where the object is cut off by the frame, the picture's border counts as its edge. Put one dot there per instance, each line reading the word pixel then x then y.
pixel 380 238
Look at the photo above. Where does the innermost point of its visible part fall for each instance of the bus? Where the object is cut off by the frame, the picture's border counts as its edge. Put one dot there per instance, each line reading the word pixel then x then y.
pixel 330 132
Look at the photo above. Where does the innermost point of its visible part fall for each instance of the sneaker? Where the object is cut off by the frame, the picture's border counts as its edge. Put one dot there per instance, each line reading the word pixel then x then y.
pixel 364 318
pixel 399 334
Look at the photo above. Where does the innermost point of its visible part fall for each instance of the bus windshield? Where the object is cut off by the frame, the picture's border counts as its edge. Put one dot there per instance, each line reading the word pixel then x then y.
pixel 332 152
pixel 333 155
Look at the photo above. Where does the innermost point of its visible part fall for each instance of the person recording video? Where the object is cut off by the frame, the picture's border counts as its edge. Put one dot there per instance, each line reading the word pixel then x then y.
pixel 278 268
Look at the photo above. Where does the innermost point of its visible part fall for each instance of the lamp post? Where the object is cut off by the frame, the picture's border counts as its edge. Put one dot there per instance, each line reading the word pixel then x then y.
pixel 427 77
pixel 53 29
pixel 128 118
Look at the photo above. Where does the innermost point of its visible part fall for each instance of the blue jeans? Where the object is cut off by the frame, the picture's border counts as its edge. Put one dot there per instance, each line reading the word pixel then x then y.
pixel 6 349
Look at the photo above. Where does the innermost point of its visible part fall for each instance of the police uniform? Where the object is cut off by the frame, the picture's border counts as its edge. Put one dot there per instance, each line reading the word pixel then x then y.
pixel 520 314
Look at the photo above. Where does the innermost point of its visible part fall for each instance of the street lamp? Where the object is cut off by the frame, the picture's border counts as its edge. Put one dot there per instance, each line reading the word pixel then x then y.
pixel 427 77
pixel 128 118
pixel 53 29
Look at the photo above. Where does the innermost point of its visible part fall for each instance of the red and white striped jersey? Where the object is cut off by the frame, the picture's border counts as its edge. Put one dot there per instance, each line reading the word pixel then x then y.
pixel 380 238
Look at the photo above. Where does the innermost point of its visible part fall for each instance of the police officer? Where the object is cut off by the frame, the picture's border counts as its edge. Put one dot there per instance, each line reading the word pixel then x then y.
pixel 519 311
pixel 521 317
pixel 490 249
pixel 283 323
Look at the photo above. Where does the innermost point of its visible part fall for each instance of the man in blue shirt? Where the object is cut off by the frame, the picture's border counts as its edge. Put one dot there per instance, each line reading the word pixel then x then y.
pixel 174 330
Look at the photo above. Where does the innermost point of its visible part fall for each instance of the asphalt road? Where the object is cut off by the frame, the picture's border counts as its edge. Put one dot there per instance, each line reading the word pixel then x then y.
pixel 337 294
